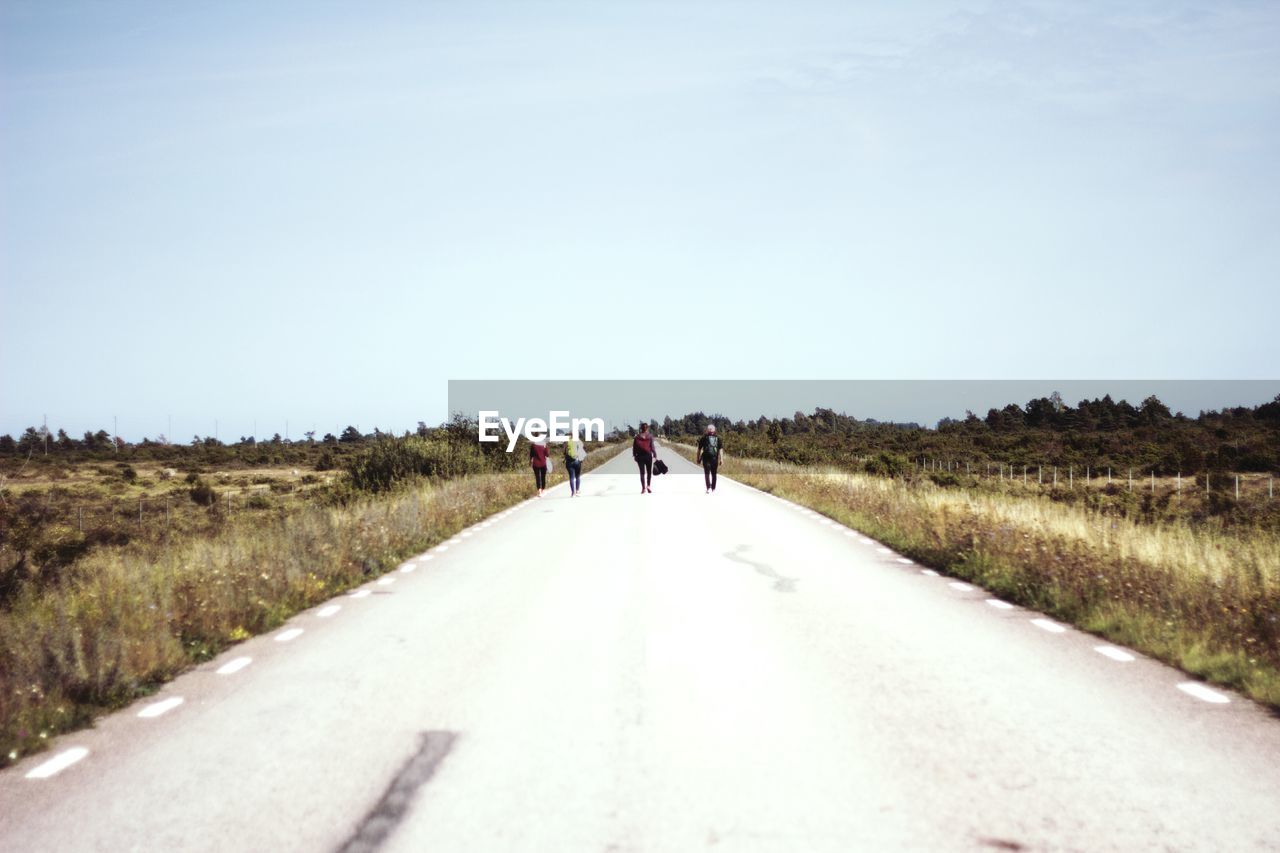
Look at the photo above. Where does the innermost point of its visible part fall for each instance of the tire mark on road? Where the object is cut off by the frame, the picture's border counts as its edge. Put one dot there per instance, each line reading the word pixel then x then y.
pixel 780 583
pixel 391 808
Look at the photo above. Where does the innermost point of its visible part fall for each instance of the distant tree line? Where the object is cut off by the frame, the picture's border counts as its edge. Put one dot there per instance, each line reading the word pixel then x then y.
pixel 1044 431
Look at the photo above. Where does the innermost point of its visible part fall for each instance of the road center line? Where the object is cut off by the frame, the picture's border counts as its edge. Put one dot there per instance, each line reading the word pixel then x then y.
pixel 905 560
pixel 1199 691
pixel 231 667
pixel 930 572
pixel 963 587
pixel 1049 625
pixel 1114 653
pixel 386 580
pixel 999 605
pixel 58 763
pixel 326 612
pixel 286 636
pixel 158 708
pixel 359 593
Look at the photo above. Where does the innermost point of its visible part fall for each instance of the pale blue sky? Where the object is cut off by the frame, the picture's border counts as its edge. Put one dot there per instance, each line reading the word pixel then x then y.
pixel 321 212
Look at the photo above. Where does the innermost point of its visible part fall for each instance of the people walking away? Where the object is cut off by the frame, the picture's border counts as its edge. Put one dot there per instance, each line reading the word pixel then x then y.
pixel 709 447
pixel 644 451
pixel 538 461
pixel 574 453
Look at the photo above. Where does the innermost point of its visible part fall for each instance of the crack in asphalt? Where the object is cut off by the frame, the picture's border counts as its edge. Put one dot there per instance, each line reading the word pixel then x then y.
pixel 780 582
pixel 391 808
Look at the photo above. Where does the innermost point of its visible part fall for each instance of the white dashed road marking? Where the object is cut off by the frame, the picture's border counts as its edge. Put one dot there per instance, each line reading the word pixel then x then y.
pixel 905 560
pixel 963 587
pixel 442 547
pixel 359 593
pixel 159 708
pixel 425 557
pixel 286 636
pixel 1201 692
pixel 999 605
pixel 1114 653
pixel 883 551
pixel 930 572
pixel 467 533
pixel 1048 625
pixel 58 763
pixel 386 581
pixel 233 666
pixel 326 612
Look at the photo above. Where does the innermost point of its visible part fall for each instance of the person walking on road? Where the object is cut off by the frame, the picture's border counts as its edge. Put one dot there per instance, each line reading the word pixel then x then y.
pixel 538 460
pixel 574 453
pixel 709 447
pixel 644 451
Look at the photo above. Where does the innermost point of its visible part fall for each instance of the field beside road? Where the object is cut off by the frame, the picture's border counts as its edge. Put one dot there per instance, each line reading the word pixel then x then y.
pixel 1202 598
pixel 115 620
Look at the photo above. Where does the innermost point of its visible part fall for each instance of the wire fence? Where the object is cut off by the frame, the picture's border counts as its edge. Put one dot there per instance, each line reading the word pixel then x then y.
pixel 1130 479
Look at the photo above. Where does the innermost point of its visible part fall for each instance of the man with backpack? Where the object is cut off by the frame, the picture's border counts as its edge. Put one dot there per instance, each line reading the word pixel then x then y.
pixel 709 447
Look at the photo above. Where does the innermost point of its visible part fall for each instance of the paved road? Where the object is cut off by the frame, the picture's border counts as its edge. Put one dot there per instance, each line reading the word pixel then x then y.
pixel 668 672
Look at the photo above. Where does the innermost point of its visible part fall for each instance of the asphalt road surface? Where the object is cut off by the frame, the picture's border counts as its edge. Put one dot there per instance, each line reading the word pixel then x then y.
pixel 663 672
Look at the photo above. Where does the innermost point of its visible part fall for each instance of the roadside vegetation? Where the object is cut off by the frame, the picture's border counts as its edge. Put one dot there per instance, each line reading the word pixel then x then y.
pixel 91 627
pixel 1201 597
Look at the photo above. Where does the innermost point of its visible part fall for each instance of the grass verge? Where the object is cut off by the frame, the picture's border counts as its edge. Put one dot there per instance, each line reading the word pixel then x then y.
pixel 130 619
pixel 1204 600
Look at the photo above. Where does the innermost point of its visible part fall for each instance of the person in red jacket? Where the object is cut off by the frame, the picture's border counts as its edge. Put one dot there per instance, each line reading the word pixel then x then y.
pixel 538 460
pixel 644 451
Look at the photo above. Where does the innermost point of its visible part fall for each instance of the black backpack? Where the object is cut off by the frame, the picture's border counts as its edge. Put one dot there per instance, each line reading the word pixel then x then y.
pixel 659 467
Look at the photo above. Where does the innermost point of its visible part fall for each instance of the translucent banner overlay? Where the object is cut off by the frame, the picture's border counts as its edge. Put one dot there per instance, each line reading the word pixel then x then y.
pixel 623 403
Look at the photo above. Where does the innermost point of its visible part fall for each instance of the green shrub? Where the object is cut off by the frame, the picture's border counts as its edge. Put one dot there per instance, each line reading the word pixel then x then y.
pixel 886 464
pixel 202 493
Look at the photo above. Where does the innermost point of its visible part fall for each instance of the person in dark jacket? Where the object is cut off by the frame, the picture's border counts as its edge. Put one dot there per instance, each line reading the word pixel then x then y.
pixel 644 451
pixel 538 461
pixel 709 448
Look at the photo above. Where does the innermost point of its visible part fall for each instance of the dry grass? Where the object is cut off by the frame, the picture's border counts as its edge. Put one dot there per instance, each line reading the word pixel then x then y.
pixel 130 618
pixel 1199 598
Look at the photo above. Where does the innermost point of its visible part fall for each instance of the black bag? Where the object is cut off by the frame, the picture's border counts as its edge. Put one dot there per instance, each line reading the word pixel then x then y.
pixel 659 467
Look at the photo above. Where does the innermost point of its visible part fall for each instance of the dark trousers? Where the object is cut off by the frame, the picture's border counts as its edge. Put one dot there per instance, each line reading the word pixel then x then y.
pixel 575 476
pixel 540 477
pixel 645 461
pixel 709 468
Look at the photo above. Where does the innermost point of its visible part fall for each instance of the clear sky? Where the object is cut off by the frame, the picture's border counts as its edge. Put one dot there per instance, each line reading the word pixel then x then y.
pixel 321 212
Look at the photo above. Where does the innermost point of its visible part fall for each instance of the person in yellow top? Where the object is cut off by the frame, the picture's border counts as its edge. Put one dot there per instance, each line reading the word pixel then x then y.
pixel 574 452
